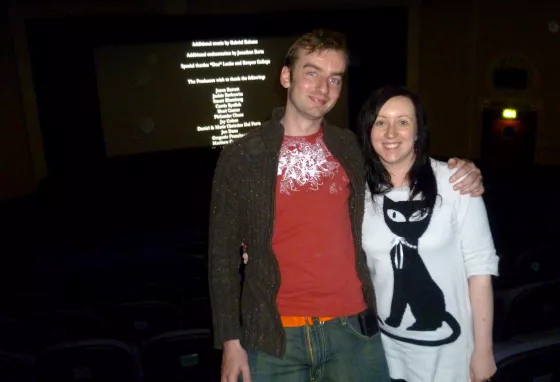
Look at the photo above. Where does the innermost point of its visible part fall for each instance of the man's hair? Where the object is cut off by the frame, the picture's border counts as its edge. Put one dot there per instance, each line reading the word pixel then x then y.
pixel 318 40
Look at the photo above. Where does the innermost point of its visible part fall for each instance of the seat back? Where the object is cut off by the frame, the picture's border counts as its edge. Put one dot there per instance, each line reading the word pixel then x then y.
pixel 534 309
pixel 16 368
pixel 88 361
pixel 70 325
pixel 186 355
pixel 137 321
pixel 16 336
pixel 529 362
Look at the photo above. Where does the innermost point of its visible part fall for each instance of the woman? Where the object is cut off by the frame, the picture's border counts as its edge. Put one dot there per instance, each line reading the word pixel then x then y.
pixel 429 250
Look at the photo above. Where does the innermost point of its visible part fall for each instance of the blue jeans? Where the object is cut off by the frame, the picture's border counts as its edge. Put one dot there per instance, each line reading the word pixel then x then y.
pixel 333 351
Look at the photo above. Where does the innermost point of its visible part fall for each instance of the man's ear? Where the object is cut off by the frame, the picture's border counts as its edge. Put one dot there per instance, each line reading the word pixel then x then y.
pixel 285 77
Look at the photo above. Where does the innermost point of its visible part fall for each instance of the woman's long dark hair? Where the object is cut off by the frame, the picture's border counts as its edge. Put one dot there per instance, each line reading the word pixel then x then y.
pixel 421 176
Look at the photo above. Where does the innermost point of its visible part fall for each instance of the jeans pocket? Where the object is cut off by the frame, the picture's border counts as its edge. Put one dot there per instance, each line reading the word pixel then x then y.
pixel 352 325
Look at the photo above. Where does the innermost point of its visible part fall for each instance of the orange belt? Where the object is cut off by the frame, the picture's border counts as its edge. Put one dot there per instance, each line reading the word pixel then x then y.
pixel 296 321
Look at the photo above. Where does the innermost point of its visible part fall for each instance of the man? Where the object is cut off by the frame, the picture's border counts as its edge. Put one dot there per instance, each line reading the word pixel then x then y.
pixel 293 192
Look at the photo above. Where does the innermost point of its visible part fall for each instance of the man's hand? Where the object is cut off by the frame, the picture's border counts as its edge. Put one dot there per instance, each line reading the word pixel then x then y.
pixel 472 182
pixel 235 362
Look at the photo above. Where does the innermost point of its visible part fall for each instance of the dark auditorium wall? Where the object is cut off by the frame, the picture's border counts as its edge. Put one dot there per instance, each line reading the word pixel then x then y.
pixel 16 166
pixel 22 162
pixel 459 45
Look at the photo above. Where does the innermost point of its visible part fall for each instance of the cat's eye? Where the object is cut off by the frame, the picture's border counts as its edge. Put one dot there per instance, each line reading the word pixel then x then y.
pixel 396 216
pixel 418 216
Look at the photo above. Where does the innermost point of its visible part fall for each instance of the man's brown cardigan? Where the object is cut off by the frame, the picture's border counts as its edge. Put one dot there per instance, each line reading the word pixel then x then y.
pixel 242 209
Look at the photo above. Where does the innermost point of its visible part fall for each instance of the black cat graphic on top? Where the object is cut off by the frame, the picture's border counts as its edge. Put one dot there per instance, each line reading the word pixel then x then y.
pixel 413 284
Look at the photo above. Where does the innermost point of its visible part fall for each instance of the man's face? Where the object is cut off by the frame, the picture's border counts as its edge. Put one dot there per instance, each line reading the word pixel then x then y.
pixel 315 82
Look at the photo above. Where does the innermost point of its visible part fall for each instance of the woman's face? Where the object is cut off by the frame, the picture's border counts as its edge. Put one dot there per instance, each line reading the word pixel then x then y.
pixel 394 132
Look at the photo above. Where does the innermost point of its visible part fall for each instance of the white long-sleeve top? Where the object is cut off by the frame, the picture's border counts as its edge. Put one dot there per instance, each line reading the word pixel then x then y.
pixel 420 265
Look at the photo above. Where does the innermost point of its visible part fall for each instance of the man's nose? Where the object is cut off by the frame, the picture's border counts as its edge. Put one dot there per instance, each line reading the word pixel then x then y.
pixel 322 86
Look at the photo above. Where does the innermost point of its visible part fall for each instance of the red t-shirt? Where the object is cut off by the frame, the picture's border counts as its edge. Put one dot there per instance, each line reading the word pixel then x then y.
pixel 312 238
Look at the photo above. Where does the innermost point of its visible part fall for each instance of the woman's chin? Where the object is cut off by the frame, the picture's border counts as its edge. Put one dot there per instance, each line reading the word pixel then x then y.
pixel 396 159
pixel 391 159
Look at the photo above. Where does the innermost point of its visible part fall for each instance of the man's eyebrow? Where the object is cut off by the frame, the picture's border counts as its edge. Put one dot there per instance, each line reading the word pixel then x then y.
pixel 313 66
pixel 308 65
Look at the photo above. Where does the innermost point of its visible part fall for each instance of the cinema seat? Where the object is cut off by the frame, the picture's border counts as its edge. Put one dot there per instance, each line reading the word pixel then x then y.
pixel 529 359
pixel 16 368
pixel 180 356
pixel 135 322
pixel 88 361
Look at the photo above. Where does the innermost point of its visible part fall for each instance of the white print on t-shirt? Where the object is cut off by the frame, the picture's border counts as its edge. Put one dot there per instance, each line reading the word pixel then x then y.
pixel 304 163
